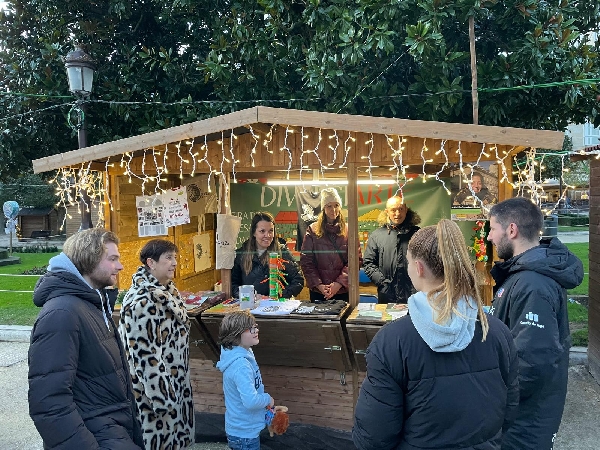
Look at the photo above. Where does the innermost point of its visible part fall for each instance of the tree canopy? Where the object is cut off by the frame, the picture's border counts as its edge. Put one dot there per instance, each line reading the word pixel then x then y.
pixel 184 60
pixel 29 190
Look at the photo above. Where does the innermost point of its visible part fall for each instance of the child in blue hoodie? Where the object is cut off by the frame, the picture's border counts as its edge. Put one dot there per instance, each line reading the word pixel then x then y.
pixel 245 398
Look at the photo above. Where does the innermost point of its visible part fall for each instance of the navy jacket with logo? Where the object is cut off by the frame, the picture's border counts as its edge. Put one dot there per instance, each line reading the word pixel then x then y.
pixel 530 297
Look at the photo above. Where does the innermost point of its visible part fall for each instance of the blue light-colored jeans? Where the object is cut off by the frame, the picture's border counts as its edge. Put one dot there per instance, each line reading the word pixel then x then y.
pixel 238 443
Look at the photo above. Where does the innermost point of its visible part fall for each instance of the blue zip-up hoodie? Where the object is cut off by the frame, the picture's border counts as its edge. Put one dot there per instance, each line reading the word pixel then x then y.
pixel 245 397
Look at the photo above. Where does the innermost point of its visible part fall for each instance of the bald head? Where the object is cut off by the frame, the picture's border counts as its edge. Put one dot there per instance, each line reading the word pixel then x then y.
pixel 395 210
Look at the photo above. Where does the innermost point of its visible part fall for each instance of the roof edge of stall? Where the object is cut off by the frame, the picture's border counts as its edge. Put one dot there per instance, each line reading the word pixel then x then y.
pixel 294 117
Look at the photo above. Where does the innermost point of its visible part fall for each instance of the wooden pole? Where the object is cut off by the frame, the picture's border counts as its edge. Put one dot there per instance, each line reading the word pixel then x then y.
pixel 473 70
pixel 353 260
pixel 224 200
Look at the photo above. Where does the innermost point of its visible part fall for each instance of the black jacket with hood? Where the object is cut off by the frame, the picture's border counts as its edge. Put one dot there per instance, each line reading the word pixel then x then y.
pixel 432 386
pixel 385 262
pixel 259 274
pixel 530 297
pixel 80 394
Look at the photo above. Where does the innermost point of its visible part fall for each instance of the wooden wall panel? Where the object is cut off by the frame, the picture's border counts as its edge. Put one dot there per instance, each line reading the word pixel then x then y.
pixel 313 396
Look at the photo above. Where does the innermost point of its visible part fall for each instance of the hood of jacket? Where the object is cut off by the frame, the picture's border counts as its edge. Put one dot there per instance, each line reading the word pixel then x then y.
pixel 63 279
pixel 453 336
pixel 411 220
pixel 551 258
pixel 228 357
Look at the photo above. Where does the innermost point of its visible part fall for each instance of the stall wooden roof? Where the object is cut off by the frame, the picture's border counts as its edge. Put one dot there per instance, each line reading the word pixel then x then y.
pixel 260 116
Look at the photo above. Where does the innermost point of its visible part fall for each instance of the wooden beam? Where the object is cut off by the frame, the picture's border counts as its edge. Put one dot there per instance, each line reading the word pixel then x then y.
pixel 353 269
pixel 147 140
pixel 416 128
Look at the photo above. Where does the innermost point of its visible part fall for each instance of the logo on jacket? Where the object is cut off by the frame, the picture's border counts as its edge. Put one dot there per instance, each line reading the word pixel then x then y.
pixel 532 319
pixel 500 292
pixel 257 379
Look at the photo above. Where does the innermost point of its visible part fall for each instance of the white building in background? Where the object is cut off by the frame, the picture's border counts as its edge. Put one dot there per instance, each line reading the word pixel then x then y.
pixel 584 136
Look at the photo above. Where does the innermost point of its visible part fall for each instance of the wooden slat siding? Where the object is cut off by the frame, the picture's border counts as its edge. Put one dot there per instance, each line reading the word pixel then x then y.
pixel 207 387
pixel 72 224
pixel 202 347
pixel 334 335
pixel 418 128
pixel 302 341
pixel 594 259
pixel 313 396
pixel 147 140
pixel 359 341
pixel 318 401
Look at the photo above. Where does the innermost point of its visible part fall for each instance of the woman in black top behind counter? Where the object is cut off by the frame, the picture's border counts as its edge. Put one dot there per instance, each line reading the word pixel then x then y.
pixel 251 264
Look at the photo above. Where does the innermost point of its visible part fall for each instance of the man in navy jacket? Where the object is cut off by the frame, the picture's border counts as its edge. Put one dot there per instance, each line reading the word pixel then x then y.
pixel 530 297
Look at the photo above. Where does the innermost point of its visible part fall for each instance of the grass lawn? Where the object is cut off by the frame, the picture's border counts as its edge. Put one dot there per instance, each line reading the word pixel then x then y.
pixel 17 308
pixel 573 228
pixel 582 251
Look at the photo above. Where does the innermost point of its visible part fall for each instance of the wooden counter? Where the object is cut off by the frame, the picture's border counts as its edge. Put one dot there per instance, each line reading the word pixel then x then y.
pixel 304 361
pixel 362 328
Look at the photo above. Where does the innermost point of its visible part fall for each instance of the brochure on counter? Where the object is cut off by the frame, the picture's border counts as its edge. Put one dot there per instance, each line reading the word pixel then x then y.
pixel 384 312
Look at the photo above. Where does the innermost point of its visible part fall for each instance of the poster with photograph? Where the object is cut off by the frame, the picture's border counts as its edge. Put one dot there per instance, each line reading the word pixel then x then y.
pixel 176 207
pixel 473 193
pixel 151 216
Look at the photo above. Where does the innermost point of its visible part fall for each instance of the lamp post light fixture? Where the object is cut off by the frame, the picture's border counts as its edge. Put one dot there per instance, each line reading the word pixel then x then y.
pixel 80 72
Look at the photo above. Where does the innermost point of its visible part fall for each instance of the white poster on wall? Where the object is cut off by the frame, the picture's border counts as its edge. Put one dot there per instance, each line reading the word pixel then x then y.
pixel 176 207
pixel 151 216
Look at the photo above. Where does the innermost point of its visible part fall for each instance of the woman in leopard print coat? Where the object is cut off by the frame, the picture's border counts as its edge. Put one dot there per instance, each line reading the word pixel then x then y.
pixel 154 328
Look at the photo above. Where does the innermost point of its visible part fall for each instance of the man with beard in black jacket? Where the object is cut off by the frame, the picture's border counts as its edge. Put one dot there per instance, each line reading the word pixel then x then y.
pixel 530 297
pixel 80 392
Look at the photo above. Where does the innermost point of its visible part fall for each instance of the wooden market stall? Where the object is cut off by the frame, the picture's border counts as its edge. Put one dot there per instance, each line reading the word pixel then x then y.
pixel 313 364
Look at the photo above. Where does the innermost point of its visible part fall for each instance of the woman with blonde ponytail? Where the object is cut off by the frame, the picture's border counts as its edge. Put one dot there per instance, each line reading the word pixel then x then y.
pixel 444 376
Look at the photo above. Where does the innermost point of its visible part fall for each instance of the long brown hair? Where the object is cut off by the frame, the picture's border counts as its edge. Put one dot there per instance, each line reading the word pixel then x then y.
pixel 250 247
pixel 319 227
pixel 442 248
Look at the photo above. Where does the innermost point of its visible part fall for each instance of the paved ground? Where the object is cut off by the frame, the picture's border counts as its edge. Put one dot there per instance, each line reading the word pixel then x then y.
pixel 574 236
pixel 580 429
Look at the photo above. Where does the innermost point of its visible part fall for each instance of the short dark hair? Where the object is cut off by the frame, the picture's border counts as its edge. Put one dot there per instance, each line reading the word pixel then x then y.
pixel 155 248
pixel 522 212
pixel 477 174
pixel 233 325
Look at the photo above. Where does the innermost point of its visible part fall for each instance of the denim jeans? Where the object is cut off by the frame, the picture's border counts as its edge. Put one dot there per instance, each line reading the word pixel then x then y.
pixel 238 443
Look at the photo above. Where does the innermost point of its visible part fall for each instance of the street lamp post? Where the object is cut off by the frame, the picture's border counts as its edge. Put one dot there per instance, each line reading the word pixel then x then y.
pixel 80 71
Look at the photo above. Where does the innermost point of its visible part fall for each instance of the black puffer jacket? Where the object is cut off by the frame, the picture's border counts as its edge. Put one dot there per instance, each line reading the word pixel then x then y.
pixel 385 260
pixel 259 274
pixel 80 394
pixel 414 398
pixel 531 299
